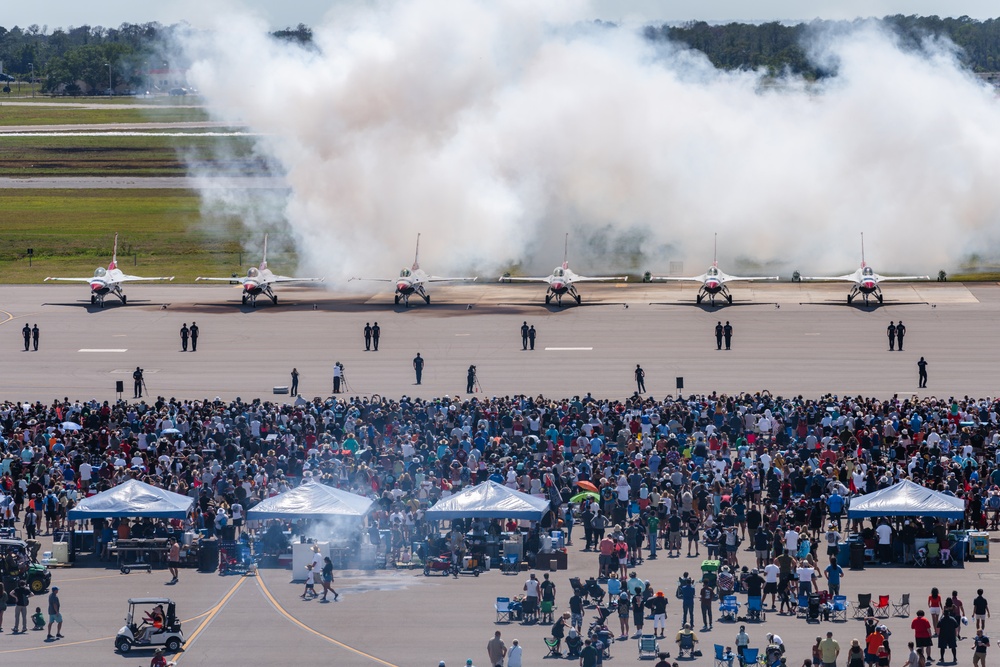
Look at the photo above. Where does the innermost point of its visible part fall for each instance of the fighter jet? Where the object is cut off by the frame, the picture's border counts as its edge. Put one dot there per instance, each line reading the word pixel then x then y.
pixel 413 281
pixel 108 281
pixel 259 280
pixel 713 281
pixel 562 281
pixel 866 281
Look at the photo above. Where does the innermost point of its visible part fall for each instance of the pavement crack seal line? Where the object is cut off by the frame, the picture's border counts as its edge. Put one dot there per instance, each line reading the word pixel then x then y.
pixel 281 610
pixel 209 615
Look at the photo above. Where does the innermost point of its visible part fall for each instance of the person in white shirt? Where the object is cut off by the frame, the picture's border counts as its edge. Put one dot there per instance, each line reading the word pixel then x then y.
pixel 791 541
pixel 514 655
pixel 771 573
pixel 884 533
pixel 806 575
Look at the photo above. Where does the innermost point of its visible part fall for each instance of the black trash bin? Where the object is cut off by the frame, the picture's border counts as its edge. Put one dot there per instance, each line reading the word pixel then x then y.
pixel 228 533
pixel 208 556
pixel 857 555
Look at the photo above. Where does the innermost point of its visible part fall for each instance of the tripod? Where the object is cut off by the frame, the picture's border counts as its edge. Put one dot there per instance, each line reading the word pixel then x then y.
pixel 475 384
pixel 343 380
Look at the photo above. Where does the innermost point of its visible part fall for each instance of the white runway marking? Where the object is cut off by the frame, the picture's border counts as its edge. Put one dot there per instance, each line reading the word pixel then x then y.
pixel 87 349
pixel 812 334
pixel 568 349
pixel 463 334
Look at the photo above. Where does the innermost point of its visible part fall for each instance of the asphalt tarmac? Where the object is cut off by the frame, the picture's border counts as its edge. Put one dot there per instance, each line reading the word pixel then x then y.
pixel 789 339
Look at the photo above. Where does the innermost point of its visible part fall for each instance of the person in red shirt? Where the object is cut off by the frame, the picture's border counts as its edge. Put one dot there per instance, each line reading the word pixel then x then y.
pixel 921 630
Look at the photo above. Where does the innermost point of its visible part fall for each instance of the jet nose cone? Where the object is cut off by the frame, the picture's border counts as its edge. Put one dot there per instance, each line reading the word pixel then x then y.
pixel 96 286
pixel 249 287
pixel 557 286
pixel 402 286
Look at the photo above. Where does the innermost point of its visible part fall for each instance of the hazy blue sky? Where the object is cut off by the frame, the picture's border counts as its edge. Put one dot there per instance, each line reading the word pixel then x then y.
pixel 64 13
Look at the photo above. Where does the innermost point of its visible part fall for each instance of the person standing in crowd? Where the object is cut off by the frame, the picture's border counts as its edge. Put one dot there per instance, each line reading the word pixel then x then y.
pixel 55 613
pixel 727 332
pixel 900 332
pixel 829 651
pixel 194 336
pixel 368 336
pixel 26 334
pixel 640 379
pixel 418 367
pixel 891 333
pixel 514 655
pixel 922 373
pixel 980 643
pixel 718 335
pixel 185 332
pixel 295 382
pixel 22 596
pixel 524 335
pixel 174 560
pixel 980 610
pixel 531 336
pixel 34 337
pixel 376 334
pixel 496 649
pixel 922 631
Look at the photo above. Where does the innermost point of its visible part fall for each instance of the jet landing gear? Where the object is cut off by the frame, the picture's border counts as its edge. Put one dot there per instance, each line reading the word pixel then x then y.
pixel 855 291
pixel 251 298
pixel 405 298
pixel 98 299
pixel 702 293
pixel 572 293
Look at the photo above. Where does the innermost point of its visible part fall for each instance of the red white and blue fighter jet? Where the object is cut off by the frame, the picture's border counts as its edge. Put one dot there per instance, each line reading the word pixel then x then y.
pixel 866 281
pixel 713 281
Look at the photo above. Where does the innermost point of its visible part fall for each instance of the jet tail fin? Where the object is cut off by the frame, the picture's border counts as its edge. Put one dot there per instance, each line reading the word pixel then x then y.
pixel 263 263
pixel 416 255
pixel 863 250
pixel 114 255
pixel 565 263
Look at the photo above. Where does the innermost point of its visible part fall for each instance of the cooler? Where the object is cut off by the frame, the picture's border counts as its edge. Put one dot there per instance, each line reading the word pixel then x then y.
pixel 60 552
pixel 710 566
pixel 979 545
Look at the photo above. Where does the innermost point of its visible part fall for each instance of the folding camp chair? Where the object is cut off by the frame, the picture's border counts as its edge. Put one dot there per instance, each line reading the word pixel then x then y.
pixel 755 609
pixel 862 606
pixel 720 657
pixel 729 608
pixel 839 609
pixel 503 610
pixel 614 587
pixel 546 611
pixel 881 610
pixel 648 647
pixel 802 608
pixel 553 644
pixel 748 657
pixel 903 607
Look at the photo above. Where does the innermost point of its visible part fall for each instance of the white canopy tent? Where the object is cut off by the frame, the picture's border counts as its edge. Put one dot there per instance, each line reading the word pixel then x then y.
pixel 489 500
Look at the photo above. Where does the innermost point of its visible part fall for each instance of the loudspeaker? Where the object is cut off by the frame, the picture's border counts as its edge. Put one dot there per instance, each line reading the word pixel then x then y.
pixel 119 386
pixel 680 383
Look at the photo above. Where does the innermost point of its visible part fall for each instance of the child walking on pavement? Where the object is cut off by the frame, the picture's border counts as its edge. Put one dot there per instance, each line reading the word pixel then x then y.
pixel 310 591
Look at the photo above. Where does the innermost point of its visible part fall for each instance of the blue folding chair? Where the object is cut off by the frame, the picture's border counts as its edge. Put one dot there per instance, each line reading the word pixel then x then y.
pixel 802 609
pixel 729 608
pixel 614 587
pixel 748 656
pixel 755 609
pixel 838 612
pixel 721 660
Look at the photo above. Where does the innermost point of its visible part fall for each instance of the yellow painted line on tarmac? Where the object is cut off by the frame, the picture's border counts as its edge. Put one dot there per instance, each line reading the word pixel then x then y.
pixel 209 615
pixel 281 610
pixel 9 317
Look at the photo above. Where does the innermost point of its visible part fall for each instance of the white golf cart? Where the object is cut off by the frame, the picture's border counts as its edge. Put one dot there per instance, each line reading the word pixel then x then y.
pixel 133 632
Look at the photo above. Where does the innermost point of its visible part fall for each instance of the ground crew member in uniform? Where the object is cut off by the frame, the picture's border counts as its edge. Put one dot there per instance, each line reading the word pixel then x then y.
pixel 727 331
pixel 295 382
pixel 137 383
pixel 368 336
pixel 531 336
pixel 194 336
pixel 26 332
pixel 640 379
pixel 524 336
pixel 184 337
pixel 900 332
pixel 34 336
pixel 418 366
pixel 891 332
pixel 376 332
pixel 470 380
pixel 922 373
pixel 718 335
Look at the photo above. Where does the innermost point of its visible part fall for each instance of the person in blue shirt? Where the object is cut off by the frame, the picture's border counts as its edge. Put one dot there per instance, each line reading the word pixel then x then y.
pixel 835 503
pixel 833 573
pixel 687 592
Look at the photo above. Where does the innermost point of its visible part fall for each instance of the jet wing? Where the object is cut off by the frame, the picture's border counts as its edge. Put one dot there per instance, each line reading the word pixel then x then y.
pixel 523 279
pixel 287 279
pixel 849 278
pixel 376 280
pixel 440 279
pixel 690 279
pixel 70 280
pixel 601 279
pixel 235 279
pixel 729 279
pixel 135 279
pixel 900 278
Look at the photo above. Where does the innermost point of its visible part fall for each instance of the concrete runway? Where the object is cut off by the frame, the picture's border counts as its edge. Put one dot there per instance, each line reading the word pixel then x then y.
pixel 789 339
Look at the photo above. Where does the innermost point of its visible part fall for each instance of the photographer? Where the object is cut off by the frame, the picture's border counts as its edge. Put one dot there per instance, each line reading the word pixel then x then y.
pixel 137 383
pixel 470 380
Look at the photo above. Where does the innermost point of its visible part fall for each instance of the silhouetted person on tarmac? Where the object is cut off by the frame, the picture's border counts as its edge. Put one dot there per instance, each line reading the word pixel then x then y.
pixel 418 367
pixel 531 336
pixel 34 336
pixel 194 336
pixel 26 332
pixel 727 331
pixel 900 332
pixel 185 332
pixel 368 336
pixel 524 336
pixel 718 335
pixel 922 373
pixel 376 332
pixel 470 380
pixel 640 379
pixel 295 382
pixel 891 332
pixel 137 383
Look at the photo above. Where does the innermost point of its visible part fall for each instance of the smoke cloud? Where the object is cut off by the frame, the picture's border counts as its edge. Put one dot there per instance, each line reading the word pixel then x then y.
pixel 494 128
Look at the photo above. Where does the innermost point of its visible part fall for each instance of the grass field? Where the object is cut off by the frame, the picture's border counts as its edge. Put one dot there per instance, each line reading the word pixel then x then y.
pixel 37 114
pixel 149 155
pixel 161 232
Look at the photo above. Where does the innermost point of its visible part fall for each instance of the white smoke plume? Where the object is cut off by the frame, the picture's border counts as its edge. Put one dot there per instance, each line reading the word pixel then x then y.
pixel 495 127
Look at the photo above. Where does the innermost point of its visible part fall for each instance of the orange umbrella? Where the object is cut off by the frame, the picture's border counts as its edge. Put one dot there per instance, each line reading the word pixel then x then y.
pixel 588 486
